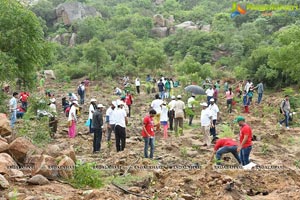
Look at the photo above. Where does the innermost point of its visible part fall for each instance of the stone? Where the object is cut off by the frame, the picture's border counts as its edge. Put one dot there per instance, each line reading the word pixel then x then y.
pixel 46 166
pixel 15 195
pixel 32 198
pixel 49 73
pixel 19 149
pixel 187 196
pixel 70 152
pixel 160 32
pixel 72 41
pixel 188 25
pixel 3 182
pixel 66 167
pixel 135 189
pixel 6 163
pixel 38 180
pixel 3 146
pixel 159 20
pixel 206 28
pixel 5 128
pixel 53 150
pixel 3 139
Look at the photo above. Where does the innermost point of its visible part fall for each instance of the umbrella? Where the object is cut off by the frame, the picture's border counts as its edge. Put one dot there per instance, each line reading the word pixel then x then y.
pixel 195 89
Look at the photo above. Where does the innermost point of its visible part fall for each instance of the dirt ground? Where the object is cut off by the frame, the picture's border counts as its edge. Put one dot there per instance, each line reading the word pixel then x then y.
pixel 180 169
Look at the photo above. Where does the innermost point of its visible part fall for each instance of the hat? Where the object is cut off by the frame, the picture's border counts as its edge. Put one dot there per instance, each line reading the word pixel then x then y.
pixel 172 97
pixel 239 118
pixel 93 100
pixel 119 102
pixel 52 100
pixel 193 95
pixel 203 104
pixel 164 103
pixel 76 102
pixel 212 100
pixel 114 103
pixel 179 97
pixel 100 106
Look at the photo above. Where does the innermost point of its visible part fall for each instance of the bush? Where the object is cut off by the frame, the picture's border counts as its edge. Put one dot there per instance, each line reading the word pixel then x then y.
pixel 86 175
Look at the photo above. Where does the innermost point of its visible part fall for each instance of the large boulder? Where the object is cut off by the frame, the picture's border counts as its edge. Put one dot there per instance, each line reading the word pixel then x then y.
pixel 66 167
pixel 159 20
pixel 49 73
pixel 19 148
pixel 206 28
pixel 188 25
pixel 70 152
pixel 3 182
pixel 46 166
pixel 6 163
pixel 38 180
pixel 3 146
pixel 5 128
pixel 69 12
pixel 72 41
pixel 160 32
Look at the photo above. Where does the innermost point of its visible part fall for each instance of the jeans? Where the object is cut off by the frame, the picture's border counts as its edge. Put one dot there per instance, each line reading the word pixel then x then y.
pixel 24 104
pixel 162 94
pixel 120 133
pixel 82 98
pixel 286 119
pixel 13 118
pixel 109 131
pixel 259 97
pixel 244 155
pixel 213 129
pixel 228 149
pixel 149 141
pixel 229 105
pixel 97 139
pixel 208 99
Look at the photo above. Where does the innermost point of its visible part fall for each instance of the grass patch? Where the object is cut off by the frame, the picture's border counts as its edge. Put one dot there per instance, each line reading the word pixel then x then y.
pixel 127 180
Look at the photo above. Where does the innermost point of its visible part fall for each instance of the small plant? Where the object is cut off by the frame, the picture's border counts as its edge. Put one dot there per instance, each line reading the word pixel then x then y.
pixel 297 164
pixel 226 132
pixel 198 192
pixel 195 147
pixel 291 141
pixel 183 152
pixel 86 175
pixel 265 149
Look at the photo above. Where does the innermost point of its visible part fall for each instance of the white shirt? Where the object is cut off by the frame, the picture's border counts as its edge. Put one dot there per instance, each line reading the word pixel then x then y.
pixel 205 117
pixel 71 113
pixel 111 114
pixel 74 97
pixel 13 104
pixel 190 101
pixel 120 116
pixel 210 92
pixel 137 82
pixel 91 111
pixel 82 87
pixel 156 105
pixel 172 104
pixel 247 86
pixel 214 110
pixel 53 108
pixel 164 114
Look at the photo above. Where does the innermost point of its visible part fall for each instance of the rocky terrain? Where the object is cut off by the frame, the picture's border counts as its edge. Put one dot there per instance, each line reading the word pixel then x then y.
pixel 179 171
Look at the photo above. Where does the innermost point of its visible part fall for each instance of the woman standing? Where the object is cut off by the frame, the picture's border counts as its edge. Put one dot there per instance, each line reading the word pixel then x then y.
pixel 92 109
pixel 229 98
pixel 72 119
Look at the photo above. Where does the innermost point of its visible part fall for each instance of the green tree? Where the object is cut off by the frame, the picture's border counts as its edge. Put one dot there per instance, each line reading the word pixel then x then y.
pixel 96 53
pixel 21 40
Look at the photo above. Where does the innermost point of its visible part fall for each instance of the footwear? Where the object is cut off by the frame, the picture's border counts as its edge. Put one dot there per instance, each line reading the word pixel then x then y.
pixel 280 125
pixel 287 127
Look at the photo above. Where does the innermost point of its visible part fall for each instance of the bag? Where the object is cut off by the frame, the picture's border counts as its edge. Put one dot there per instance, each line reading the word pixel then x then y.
pixel 280 110
pixel 67 111
pixel 69 123
pixel 79 90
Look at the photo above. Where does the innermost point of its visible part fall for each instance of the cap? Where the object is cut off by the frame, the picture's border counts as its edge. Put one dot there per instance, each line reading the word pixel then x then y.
pixel 76 102
pixel 212 100
pixel 52 100
pixel 193 95
pixel 203 104
pixel 239 118
pixel 179 97
pixel 114 103
pixel 93 100
pixel 173 97
pixel 100 106
pixel 164 103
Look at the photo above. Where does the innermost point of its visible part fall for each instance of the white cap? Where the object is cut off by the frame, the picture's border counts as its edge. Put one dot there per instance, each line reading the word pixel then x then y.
pixel 93 100
pixel 179 97
pixel 204 104
pixel 193 95
pixel 52 100
pixel 114 103
pixel 119 102
pixel 76 102
pixel 173 97
pixel 100 106
pixel 212 100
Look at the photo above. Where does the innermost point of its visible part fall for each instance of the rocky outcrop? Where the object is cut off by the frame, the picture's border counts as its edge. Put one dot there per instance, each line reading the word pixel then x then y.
pixel 188 25
pixel 68 39
pixel 69 12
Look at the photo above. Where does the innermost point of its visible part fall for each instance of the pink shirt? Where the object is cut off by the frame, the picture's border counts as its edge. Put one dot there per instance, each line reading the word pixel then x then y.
pixel 228 95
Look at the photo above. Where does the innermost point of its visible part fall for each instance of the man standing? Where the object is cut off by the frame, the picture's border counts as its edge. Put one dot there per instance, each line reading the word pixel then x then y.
pixel 110 119
pixel 128 101
pixel 161 88
pixel 260 90
pixel 148 133
pixel 225 145
pixel 171 113
pixel 52 118
pixel 179 114
pixel 245 145
pixel 214 109
pixel 137 85
pixel 209 93
pixel 285 110
pixel 97 128
pixel 81 91
pixel 206 123
pixel 92 109
pixel 120 126
pixel 13 103
pixel 23 98
pixel 155 105
pixel 190 105
pixel 247 86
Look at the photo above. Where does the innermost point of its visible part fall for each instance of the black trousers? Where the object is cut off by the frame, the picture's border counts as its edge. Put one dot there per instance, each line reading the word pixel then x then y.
pixel 138 89
pixel 171 115
pixel 97 139
pixel 120 133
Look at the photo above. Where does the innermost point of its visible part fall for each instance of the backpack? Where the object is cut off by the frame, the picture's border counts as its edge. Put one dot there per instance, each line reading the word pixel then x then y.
pixel 79 90
pixel 282 106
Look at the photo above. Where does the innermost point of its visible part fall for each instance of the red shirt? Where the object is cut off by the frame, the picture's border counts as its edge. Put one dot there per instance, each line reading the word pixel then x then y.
pixel 225 142
pixel 128 100
pixel 149 125
pixel 246 130
pixel 24 96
